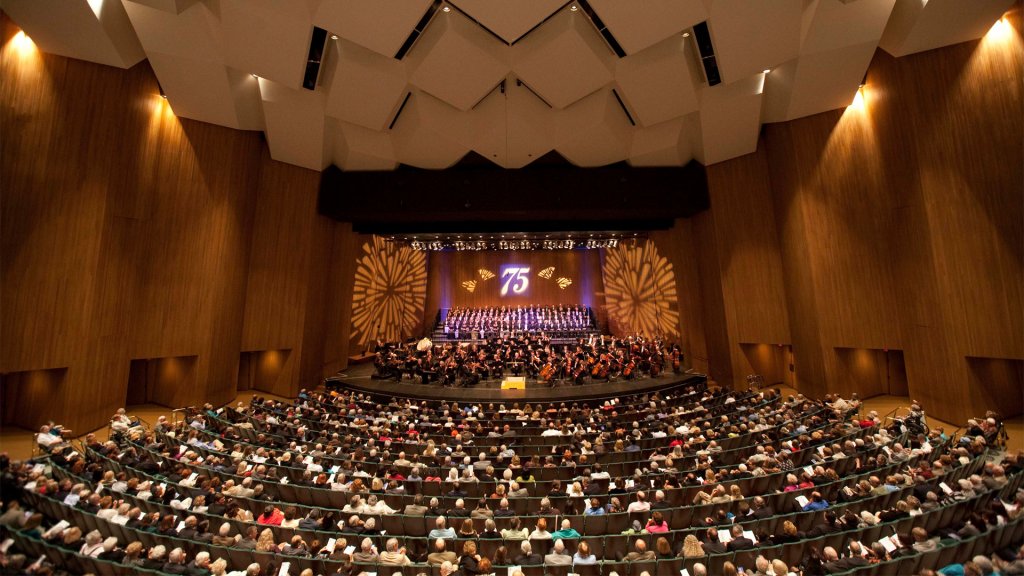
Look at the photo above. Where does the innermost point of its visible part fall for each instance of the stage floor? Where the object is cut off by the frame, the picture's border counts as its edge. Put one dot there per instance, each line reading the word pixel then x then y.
pixel 358 377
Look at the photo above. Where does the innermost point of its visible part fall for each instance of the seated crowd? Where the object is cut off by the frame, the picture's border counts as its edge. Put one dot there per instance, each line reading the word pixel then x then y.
pixel 687 478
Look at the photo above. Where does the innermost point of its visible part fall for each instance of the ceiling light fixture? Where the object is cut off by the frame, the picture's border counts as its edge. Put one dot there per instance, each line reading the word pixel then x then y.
pixel 447 9
pixel 334 36
pixel 574 8
pixel 686 34
pixel 766 70
pixel 256 76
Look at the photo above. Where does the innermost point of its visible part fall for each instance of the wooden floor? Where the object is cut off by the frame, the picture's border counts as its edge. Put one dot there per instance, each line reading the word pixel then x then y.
pixel 17 443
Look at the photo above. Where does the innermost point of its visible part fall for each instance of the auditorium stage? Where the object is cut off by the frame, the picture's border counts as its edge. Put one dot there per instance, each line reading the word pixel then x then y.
pixel 358 377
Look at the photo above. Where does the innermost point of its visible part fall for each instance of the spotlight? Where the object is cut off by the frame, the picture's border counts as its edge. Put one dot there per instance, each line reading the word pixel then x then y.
pixel 574 8
pixel 766 70
pixel 447 9
pixel 256 76
pixel 334 36
pixel 686 34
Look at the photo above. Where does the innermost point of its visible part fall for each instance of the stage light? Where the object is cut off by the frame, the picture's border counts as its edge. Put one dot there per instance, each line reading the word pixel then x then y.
pixel 574 8
pixel 23 45
pixel 447 9
pixel 858 99
pixel 1000 31
pixel 334 36
pixel 766 71
pixel 686 34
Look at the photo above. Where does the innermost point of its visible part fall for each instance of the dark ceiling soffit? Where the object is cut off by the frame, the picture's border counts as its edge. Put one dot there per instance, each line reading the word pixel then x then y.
pixel 479 196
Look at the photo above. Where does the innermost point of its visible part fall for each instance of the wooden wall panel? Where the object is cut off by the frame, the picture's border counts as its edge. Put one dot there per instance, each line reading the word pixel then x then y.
pixel 287 281
pixel 744 265
pixel 338 307
pixel 677 245
pixel 125 233
pixel 901 224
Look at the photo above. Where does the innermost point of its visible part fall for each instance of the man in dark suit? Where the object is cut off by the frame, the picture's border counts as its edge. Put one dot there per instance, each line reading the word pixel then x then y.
pixel 739 541
pixel 762 509
pixel 528 558
pixel 711 543
pixel 834 564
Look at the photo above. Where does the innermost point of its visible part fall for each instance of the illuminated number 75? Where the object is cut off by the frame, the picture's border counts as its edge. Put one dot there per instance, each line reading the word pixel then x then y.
pixel 519 275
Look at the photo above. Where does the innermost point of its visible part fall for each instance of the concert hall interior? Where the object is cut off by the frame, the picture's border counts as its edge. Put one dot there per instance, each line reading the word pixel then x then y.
pixel 238 213
pixel 181 224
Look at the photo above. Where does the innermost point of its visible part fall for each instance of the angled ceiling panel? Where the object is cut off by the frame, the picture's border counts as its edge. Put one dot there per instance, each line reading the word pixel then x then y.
pixel 379 26
pixel 509 20
pixel 594 131
pixel 658 145
pixel 917 26
pixel 564 60
pixel 294 124
pixel 363 87
pixel 358 148
pixel 267 38
pixel 193 34
pixel 751 36
pixel 830 25
pixel 457 61
pixel 418 141
pixel 637 25
pixel 730 119
pixel 658 83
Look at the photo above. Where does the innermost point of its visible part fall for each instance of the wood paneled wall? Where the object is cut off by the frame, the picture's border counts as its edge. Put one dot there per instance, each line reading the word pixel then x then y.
pixel 128 234
pixel 898 225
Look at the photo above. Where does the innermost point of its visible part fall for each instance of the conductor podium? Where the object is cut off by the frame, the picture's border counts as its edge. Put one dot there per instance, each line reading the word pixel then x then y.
pixel 514 383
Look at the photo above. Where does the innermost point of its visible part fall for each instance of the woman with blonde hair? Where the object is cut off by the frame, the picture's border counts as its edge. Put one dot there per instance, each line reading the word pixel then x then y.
pixel 692 548
pixel 218 567
pixel 265 543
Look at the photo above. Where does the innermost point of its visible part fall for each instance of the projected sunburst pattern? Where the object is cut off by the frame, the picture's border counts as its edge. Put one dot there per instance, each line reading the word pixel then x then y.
pixel 390 291
pixel 485 274
pixel 546 273
pixel 640 290
pixel 563 282
pixel 469 285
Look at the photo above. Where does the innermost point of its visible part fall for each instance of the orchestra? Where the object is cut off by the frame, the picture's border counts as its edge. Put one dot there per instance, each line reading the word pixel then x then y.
pixel 590 359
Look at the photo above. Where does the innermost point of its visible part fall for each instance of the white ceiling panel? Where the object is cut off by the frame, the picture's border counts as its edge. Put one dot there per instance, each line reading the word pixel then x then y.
pixel 457 61
pixel 594 131
pixel 358 148
pixel 266 37
pixel 294 124
pixel 193 34
pixel 658 83
pixel 73 28
pixel 830 25
pixel 364 87
pixel 828 80
pixel 169 6
pixel 658 145
pixel 564 60
pixel 916 26
pixel 419 142
pixel 637 25
pixel 509 20
pixel 730 120
pixel 530 126
pixel 380 26
pixel 196 89
pixel 751 36
pixel 557 74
